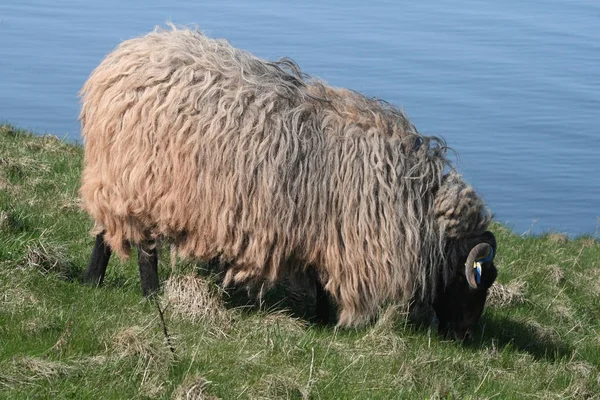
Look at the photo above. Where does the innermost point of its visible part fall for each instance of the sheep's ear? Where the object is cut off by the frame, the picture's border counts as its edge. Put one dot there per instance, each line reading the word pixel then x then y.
pixel 488 237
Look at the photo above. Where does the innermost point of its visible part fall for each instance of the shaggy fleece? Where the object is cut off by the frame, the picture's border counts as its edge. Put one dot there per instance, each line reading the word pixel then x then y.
pixel 221 153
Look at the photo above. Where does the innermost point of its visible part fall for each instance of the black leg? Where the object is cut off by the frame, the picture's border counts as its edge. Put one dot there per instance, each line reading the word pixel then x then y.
pixel 148 263
pixel 323 310
pixel 94 274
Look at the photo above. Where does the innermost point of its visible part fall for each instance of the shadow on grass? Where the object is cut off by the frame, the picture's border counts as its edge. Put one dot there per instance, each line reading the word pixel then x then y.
pixel 280 298
pixel 298 301
pixel 501 332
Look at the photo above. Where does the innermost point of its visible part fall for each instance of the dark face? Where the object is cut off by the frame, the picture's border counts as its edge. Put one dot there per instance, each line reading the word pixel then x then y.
pixel 459 305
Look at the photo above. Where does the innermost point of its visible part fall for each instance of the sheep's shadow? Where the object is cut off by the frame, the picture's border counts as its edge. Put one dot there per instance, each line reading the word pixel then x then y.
pixel 500 332
pixel 296 301
pixel 282 298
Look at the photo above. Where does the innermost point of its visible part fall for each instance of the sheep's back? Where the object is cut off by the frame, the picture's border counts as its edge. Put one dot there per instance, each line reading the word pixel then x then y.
pixel 177 125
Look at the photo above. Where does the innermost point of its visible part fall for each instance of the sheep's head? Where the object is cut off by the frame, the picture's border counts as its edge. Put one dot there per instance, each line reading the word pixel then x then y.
pixel 461 297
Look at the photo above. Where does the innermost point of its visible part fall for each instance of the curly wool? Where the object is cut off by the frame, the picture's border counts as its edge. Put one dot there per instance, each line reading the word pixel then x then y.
pixel 190 140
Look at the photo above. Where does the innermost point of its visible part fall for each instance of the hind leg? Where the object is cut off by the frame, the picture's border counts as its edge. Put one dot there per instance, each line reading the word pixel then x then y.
pixel 94 274
pixel 148 264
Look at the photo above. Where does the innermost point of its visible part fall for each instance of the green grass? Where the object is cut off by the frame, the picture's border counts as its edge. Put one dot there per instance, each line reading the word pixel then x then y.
pixel 539 337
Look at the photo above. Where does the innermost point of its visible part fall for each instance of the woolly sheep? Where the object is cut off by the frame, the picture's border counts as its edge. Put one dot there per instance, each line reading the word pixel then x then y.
pixel 227 156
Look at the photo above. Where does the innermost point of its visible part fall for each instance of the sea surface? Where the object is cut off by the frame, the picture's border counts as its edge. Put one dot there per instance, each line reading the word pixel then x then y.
pixel 513 86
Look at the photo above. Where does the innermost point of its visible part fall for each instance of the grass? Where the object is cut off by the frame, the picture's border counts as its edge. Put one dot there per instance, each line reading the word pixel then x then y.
pixel 539 337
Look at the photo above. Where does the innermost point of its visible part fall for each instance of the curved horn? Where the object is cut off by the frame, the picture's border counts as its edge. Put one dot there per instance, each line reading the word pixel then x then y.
pixel 478 253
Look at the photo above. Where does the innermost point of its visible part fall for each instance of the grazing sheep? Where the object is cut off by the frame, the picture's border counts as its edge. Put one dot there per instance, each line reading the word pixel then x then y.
pixel 229 156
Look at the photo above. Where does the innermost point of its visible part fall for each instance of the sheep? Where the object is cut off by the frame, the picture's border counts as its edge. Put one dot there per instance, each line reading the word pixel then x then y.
pixel 230 157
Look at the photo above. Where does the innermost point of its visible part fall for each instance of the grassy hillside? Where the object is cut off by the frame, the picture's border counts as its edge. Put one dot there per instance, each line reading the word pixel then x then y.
pixel 539 337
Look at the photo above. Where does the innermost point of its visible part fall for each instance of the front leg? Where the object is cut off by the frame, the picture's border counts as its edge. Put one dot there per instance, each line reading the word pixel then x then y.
pixel 94 274
pixel 324 305
pixel 148 264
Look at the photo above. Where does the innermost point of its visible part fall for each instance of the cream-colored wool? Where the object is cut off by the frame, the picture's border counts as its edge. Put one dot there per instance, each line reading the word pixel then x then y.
pixel 190 140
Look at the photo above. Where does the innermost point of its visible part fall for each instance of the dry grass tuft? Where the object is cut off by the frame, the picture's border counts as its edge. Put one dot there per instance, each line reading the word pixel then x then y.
pixel 560 305
pixel 29 370
pixel 563 311
pixel 382 338
pixel 22 166
pixel 542 332
pixel 34 326
pixel 590 242
pixel 282 320
pixel 583 374
pixel 49 258
pixel 582 368
pixel 192 388
pixel 153 385
pixel 70 203
pixel 136 341
pixel 501 295
pixel 389 318
pixel 558 238
pixel 196 299
pixel 26 370
pixel 556 274
pixel 44 368
pixel 277 331
pixel 95 361
pixel 280 386
pixel 48 143
pixel 33 142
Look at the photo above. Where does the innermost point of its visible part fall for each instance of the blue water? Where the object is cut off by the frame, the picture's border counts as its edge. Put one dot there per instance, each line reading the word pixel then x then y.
pixel 513 86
